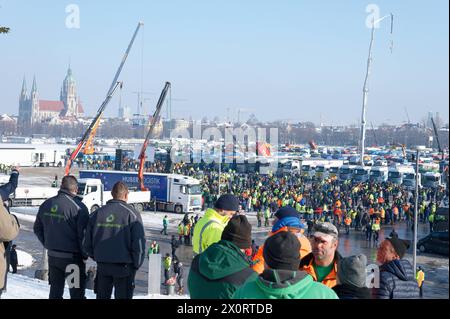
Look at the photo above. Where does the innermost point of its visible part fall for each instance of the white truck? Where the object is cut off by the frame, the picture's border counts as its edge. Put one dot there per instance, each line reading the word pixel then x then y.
pixel 409 180
pixel 94 195
pixel 396 173
pixel 31 196
pixel 378 174
pixel 322 171
pixel 432 180
pixel 361 174
pixel 346 172
pixel 171 192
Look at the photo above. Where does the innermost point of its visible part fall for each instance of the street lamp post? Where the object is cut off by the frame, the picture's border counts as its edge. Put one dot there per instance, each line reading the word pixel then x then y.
pixel 416 212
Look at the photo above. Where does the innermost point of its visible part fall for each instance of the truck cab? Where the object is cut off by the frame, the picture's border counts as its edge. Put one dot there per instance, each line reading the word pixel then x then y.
pixel 396 173
pixel 322 171
pixel 361 174
pixel 409 180
pixel 307 171
pixel 94 196
pixel 333 171
pixel 186 194
pixel 346 172
pixel 378 174
pixel 432 180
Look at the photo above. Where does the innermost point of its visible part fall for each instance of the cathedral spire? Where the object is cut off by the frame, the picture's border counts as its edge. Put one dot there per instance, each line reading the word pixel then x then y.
pixel 23 93
pixel 34 88
pixel 24 85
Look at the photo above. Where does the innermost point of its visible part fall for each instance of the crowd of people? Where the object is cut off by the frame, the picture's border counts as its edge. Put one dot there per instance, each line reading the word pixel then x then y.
pixel 299 258
pixel 289 265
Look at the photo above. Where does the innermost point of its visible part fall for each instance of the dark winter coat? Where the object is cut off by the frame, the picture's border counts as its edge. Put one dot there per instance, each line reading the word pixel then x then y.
pixel 352 292
pixel 13 257
pixel 61 223
pixel 115 235
pixel 219 271
pixel 10 187
pixel 397 281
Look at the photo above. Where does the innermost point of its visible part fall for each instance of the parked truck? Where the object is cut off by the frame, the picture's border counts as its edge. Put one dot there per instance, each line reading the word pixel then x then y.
pixel 432 180
pixel 396 173
pixel 94 195
pixel 378 174
pixel 409 180
pixel 361 174
pixel 169 192
pixel 31 196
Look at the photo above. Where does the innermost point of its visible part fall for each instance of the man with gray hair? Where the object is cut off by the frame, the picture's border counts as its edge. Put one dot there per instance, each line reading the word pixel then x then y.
pixel 321 263
pixel 60 226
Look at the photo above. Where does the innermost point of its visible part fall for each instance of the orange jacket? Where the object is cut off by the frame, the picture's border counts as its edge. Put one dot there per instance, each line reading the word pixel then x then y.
pixel 305 248
pixel 331 279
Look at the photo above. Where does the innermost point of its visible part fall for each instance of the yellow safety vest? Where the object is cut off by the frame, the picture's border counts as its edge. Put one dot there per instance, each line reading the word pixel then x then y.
pixel 208 230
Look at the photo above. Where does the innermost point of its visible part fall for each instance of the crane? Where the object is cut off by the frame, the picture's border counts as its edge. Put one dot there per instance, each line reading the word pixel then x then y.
pixel 407 115
pixel 90 132
pixel 437 139
pixel 153 122
pixel 374 135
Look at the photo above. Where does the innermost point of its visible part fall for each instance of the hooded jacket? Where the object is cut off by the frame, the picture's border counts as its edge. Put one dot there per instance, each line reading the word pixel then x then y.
pixel 291 224
pixel 352 292
pixel 284 284
pixel 208 230
pixel 397 281
pixel 219 271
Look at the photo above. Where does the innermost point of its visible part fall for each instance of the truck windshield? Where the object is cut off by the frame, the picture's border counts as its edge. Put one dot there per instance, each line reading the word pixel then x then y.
pixel 320 169
pixel 305 168
pixel 333 170
pixel 394 174
pixel 360 172
pixel 432 178
pixel 409 176
pixel 195 190
pixel 81 188
pixel 345 170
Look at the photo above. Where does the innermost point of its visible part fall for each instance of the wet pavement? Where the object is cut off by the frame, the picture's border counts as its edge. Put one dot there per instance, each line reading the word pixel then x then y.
pixel 436 267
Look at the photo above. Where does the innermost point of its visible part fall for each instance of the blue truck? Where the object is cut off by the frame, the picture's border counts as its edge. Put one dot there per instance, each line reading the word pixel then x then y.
pixel 169 192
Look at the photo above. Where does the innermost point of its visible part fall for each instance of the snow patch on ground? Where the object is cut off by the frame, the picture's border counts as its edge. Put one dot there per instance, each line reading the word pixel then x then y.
pixel 21 287
pixel 24 259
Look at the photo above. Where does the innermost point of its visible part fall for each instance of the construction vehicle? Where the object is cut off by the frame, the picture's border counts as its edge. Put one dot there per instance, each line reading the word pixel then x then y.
pixel 91 130
pixel 153 121
pixel 437 139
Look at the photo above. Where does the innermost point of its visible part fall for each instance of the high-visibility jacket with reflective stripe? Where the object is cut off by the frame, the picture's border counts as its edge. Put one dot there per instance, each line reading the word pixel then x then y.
pixel 208 230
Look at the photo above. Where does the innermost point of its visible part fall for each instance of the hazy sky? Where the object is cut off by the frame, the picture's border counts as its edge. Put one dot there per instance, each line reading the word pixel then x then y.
pixel 287 59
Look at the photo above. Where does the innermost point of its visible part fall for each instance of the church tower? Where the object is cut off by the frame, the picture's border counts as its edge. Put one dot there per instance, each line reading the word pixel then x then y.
pixel 24 112
pixel 34 102
pixel 69 95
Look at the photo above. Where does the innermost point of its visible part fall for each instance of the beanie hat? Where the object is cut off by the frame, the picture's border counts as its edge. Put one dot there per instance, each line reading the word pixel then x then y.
pixel 286 211
pixel 325 228
pixel 352 270
pixel 239 232
pixel 227 202
pixel 400 245
pixel 282 251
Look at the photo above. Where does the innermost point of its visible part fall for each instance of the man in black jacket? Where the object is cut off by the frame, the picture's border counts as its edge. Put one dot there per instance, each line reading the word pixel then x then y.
pixel 60 226
pixel 115 239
